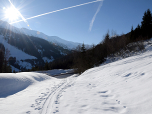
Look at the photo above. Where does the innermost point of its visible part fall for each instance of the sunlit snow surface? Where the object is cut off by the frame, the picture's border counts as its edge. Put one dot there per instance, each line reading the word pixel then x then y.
pixel 121 87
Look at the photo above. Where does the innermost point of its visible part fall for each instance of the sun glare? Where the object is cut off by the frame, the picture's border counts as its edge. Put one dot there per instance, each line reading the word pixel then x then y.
pixel 11 14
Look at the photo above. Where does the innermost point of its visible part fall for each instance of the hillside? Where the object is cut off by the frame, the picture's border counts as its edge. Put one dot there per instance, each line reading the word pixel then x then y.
pixel 53 39
pixel 120 87
pixel 28 50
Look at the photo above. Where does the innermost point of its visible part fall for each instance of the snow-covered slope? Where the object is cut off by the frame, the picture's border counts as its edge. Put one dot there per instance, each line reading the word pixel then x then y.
pixel 18 54
pixel 13 83
pixel 54 39
pixel 27 50
pixel 14 52
pixel 121 87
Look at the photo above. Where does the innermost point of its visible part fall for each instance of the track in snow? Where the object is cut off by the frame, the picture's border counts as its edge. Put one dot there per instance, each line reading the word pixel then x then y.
pixel 51 98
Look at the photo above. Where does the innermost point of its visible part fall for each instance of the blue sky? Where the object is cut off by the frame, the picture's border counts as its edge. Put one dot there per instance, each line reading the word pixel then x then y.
pixel 73 24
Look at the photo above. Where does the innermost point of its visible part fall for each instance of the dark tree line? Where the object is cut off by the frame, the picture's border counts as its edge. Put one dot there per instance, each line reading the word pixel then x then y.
pixel 96 55
pixel 4 56
pixel 82 59
pixel 143 31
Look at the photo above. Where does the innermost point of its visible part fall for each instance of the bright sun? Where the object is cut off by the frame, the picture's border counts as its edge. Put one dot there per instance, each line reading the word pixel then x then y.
pixel 11 14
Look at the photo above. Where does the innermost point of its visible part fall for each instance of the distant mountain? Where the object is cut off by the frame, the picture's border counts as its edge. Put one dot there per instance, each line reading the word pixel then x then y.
pixel 53 39
pixel 30 48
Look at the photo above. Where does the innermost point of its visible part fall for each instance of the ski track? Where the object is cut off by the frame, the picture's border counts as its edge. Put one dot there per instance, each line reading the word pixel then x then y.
pixel 51 97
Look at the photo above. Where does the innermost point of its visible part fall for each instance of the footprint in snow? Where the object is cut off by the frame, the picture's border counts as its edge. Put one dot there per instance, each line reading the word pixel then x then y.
pixel 56 111
pixel 83 105
pixel 128 75
pixel 102 91
pixel 44 94
pixel 56 102
pixel 28 112
pixel 116 109
pixel 108 96
pixel 104 95
pixel 39 108
pixel 32 105
pixel 91 86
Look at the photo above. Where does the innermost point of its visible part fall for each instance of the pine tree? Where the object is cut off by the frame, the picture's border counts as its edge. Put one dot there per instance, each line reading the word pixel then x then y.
pixel 107 37
pixel 106 43
pixel 146 24
pixel 1 60
pixel 81 60
pixel 46 67
pixel 132 34
pixel 138 27
pixel 137 33
pixel 83 56
pixel 83 49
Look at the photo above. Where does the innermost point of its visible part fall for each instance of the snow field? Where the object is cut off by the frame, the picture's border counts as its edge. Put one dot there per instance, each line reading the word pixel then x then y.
pixel 121 87
pixel 28 98
pixel 30 93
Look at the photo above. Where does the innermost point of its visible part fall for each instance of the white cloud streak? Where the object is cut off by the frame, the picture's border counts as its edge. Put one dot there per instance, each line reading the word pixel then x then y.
pixel 94 17
pixel 57 11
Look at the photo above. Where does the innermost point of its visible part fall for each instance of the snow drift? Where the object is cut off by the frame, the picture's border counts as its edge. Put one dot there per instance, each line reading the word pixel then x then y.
pixel 12 83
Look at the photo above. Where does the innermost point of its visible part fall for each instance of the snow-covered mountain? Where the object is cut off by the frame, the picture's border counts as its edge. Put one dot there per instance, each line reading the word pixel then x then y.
pixel 30 48
pixel 15 52
pixel 54 39
pixel 18 54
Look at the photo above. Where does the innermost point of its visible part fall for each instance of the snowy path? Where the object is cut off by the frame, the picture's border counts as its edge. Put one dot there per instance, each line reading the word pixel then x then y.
pixel 51 104
pixel 33 98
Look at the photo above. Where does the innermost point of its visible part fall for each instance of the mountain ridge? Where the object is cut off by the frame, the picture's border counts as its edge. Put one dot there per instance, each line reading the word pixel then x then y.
pixel 55 39
pixel 27 42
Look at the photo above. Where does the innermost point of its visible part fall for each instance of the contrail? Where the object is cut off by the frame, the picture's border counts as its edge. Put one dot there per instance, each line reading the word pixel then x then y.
pixel 94 17
pixel 57 11
pixel 23 19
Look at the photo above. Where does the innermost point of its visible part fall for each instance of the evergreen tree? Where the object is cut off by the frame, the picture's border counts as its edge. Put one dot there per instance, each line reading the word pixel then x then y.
pixel 14 71
pixel 106 44
pixel 107 37
pixel 81 60
pixel 132 34
pixel 137 33
pixel 132 29
pixel 146 24
pixel 1 60
pixel 138 27
pixel 83 49
pixel 46 67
